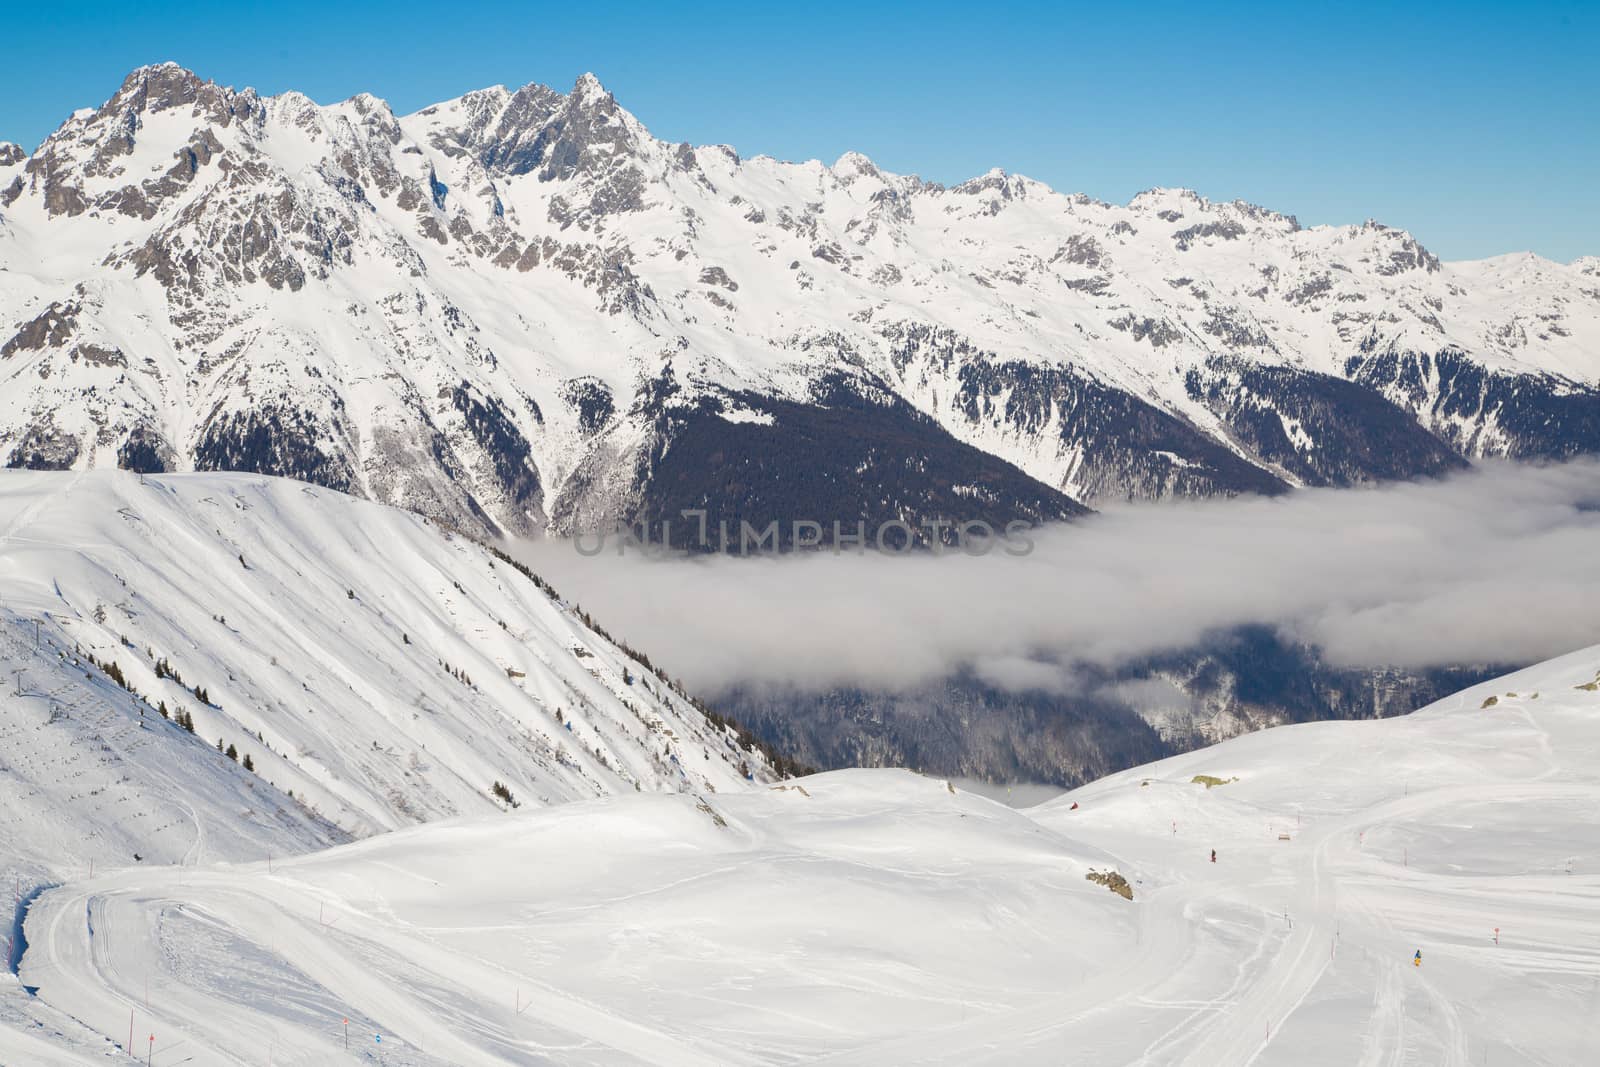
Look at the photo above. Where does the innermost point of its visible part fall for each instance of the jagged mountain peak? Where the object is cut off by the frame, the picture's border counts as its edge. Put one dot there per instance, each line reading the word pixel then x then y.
pixel 536 129
pixel 166 86
pixel 852 165
pixel 368 104
pixel 588 87
pixel 165 73
pixel 1160 197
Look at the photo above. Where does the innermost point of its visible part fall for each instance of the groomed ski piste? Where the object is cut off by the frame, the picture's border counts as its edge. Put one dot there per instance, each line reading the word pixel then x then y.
pixel 1409 891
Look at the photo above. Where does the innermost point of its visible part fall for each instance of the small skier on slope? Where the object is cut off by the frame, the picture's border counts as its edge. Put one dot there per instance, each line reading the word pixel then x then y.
pixel 1213 855
pixel 1416 961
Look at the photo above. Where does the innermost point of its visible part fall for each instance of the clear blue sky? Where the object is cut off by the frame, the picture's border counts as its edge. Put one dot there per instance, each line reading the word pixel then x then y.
pixel 1473 125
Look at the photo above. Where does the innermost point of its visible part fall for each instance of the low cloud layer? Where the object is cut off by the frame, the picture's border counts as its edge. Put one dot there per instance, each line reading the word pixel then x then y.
pixel 1500 565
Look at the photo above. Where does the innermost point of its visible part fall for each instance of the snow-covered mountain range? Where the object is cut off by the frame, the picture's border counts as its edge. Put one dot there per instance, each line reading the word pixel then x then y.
pixel 520 311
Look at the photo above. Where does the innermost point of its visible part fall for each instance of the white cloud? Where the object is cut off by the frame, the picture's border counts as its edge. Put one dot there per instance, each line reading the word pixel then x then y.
pixel 1019 674
pixel 1498 565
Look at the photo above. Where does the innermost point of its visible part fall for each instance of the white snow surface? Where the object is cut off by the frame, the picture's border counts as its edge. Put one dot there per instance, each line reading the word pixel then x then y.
pixel 872 917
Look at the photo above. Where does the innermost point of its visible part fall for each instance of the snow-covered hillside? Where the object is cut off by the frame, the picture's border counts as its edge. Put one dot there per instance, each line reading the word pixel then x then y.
pixel 91 778
pixel 520 309
pixel 345 667
pixel 876 917
pixel 379 667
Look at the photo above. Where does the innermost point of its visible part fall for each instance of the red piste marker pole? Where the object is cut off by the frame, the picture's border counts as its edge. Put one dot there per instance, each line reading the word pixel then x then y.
pixel 151 1055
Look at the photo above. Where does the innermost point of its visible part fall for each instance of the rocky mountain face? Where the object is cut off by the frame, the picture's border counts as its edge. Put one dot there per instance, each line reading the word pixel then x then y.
pixel 520 311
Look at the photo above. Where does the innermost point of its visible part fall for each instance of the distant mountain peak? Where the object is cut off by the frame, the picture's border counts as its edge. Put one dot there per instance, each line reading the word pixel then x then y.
pixel 853 164
pixel 588 87
pixel 157 86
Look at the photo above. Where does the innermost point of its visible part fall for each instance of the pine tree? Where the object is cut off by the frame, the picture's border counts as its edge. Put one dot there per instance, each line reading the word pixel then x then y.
pixel 249 764
pixel 233 754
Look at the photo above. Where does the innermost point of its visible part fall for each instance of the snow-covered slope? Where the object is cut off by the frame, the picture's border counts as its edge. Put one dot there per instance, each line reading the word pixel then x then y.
pixel 521 309
pixel 91 779
pixel 873 917
pixel 346 668
pixel 379 667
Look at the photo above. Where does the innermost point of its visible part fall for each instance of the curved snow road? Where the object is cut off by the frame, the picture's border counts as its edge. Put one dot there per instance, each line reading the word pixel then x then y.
pixel 94 947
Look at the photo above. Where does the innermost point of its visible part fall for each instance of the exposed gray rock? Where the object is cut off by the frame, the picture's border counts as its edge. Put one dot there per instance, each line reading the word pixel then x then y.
pixel 718 276
pixel 51 328
pixel 1223 231
pixel 44 448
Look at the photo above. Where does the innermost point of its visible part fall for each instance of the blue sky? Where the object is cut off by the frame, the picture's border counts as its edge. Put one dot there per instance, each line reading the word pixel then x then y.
pixel 1473 125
